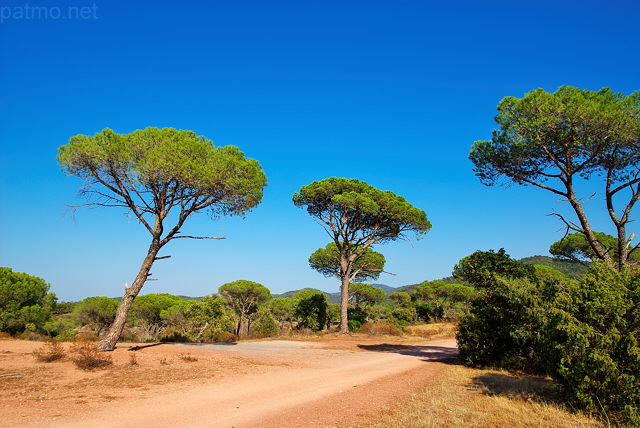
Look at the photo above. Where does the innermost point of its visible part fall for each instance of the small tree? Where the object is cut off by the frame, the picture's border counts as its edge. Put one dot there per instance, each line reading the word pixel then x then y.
pixel 445 296
pixel 207 319
pixel 99 311
pixel 576 248
pixel 365 294
pixel 326 260
pixel 282 309
pixel 482 268
pixel 244 296
pixel 153 173
pixel 25 301
pixel 401 298
pixel 148 310
pixel 311 309
pixel 356 216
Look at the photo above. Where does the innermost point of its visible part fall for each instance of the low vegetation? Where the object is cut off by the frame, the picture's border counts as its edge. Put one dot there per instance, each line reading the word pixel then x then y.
pixel 86 356
pixel 584 334
pixel 52 350
pixel 460 396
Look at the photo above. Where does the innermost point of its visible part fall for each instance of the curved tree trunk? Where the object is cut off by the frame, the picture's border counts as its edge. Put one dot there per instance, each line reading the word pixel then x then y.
pixel 108 343
pixel 597 247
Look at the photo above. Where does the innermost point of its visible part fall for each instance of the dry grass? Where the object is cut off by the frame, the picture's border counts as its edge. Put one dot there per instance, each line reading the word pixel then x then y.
pixel 443 329
pixel 86 356
pixel 52 350
pixel 133 358
pixel 464 397
pixel 188 358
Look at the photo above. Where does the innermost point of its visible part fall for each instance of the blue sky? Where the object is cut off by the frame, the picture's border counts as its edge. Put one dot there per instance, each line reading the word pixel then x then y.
pixel 390 92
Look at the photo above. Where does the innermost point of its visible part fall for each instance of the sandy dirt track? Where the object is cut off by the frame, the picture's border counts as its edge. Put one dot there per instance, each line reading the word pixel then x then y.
pixel 274 383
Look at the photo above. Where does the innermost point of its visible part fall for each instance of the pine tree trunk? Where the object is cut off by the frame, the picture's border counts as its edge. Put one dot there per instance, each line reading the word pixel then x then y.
pixel 108 343
pixel 344 304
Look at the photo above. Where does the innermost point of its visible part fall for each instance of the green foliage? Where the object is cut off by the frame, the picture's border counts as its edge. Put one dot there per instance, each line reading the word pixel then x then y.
pixel 264 324
pixel 306 293
pixel 244 296
pixel 571 270
pixel 578 127
pixel 445 296
pixel 366 294
pixel 586 334
pixel 361 209
pixel 402 317
pixel 550 140
pixel 401 298
pixel 168 166
pixel 63 308
pixel 25 302
pixel 575 247
pixel 311 309
pixel 368 266
pixel 506 321
pixel 502 328
pixel 377 313
pixel 160 176
pixel 199 321
pixel 358 313
pixel 356 216
pixel 333 313
pixel 355 326
pixel 147 311
pixel 148 308
pixel 61 327
pixel 243 292
pixel 99 311
pixel 482 268
pixel 282 309
pixel 595 330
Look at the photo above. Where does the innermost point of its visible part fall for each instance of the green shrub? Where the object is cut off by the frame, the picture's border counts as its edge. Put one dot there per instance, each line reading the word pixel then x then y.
pixel 504 327
pixel 96 311
pixel 312 311
pixel 25 302
pixel 402 317
pixel 355 326
pixel 595 330
pixel 357 313
pixel 265 324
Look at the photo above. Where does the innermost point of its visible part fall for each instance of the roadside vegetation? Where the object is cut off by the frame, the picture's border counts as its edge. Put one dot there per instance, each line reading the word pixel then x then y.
pixel 576 325
pixel 460 396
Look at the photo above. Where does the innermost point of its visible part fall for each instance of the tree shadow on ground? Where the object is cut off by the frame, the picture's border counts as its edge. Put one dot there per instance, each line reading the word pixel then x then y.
pixel 207 343
pixel 139 347
pixel 517 386
pixel 439 354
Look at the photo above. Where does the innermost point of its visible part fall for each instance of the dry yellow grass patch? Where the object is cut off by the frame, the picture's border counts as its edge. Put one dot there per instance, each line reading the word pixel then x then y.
pixel 443 329
pixel 464 397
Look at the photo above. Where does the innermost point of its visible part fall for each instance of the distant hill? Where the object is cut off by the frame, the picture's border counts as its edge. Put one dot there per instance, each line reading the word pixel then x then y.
pixel 292 292
pixel 572 270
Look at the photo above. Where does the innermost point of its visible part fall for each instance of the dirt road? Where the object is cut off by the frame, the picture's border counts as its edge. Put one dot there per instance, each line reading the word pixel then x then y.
pixel 281 384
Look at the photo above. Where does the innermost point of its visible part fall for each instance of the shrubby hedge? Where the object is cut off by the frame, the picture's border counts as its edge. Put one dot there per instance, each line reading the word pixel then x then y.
pixel 584 334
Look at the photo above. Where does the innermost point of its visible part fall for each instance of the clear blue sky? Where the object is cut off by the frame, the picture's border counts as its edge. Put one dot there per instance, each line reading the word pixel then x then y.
pixel 390 92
